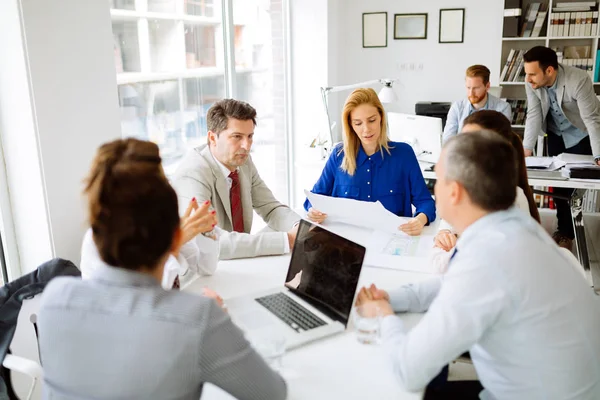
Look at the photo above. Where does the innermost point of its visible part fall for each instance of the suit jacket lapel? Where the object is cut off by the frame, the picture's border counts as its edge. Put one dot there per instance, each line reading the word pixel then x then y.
pixel 560 86
pixel 220 182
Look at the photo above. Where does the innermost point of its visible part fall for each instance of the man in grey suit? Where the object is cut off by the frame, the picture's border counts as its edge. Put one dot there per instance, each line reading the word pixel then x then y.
pixel 222 171
pixel 560 101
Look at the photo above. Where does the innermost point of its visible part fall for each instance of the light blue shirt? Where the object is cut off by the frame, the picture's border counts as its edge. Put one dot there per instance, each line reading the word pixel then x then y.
pixel 511 298
pixel 558 122
pixel 119 335
pixel 463 108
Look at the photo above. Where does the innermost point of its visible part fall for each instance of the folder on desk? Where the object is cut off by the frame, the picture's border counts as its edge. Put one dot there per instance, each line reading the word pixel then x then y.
pixel 584 172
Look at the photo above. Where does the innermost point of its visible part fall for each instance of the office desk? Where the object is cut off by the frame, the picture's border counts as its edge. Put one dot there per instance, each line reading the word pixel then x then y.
pixel 337 367
pixel 586 246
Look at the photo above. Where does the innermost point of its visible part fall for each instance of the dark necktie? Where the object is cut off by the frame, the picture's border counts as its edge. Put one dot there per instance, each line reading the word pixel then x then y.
pixel 235 197
pixel 176 283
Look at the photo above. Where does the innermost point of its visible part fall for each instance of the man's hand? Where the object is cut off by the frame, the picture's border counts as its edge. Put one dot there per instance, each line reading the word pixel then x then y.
pixel 445 240
pixel 415 225
pixel 371 293
pixel 373 300
pixel 528 153
pixel 292 236
pixel 316 216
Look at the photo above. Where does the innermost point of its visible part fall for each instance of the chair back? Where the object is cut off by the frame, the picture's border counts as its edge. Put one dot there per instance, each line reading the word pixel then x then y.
pixel 25 344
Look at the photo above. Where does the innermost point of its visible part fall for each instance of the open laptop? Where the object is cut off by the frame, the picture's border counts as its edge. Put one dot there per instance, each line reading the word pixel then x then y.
pixel 318 293
pixel 423 133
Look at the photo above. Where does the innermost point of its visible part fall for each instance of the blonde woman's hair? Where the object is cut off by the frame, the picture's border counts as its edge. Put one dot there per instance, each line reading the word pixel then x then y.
pixel 351 141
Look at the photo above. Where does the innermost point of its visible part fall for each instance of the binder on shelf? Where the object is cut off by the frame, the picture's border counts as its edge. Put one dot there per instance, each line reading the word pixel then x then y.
pixel 539 21
pixel 507 65
pixel 512 18
pixel 597 69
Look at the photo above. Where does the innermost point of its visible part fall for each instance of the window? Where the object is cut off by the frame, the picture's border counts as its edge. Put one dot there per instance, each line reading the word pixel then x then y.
pixel 172 64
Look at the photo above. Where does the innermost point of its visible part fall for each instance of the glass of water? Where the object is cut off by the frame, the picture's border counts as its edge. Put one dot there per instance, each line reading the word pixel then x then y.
pixel 270 344
pixel 367 323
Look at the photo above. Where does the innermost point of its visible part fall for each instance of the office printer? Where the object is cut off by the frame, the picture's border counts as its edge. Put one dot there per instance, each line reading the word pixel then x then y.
pixel 433 109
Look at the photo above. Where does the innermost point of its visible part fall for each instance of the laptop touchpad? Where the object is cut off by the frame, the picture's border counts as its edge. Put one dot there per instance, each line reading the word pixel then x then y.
pixel 254 319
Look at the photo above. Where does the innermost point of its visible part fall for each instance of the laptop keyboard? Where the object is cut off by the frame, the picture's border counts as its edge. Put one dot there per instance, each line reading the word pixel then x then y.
pixel 293 314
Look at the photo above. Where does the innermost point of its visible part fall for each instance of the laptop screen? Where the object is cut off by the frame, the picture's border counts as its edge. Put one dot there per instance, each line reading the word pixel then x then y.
pixel 325 268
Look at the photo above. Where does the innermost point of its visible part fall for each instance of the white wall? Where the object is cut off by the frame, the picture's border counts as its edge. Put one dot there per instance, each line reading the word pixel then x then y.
pixel 444 65
pixel 72 108
pixel 20 149
pixel 309 28
pixel 327 51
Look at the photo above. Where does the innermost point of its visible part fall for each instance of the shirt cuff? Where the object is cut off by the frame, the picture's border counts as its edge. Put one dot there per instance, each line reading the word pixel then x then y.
pixel 391 326
pixel 399 299
pixel 286 243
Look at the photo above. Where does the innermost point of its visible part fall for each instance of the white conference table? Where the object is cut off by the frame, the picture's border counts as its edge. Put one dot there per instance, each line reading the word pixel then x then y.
pixel 338 367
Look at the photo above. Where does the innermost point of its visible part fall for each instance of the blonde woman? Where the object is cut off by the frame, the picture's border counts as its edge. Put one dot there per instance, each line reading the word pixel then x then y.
pixel 370 167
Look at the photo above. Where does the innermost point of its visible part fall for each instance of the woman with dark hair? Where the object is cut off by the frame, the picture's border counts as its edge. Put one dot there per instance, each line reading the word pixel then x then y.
pixel 119 334
pixel 496 122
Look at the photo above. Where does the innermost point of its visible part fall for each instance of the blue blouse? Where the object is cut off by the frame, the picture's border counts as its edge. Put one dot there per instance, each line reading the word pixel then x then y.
pixel 394 179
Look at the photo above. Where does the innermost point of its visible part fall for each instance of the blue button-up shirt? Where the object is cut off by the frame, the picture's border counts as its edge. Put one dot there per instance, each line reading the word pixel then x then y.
pixel 558 122
pixel 394 179
pixel 463 108
pixel 513 299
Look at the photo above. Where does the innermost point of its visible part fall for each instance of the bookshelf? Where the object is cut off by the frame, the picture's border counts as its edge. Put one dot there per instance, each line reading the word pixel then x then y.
pixel 542 17
pixel 578 46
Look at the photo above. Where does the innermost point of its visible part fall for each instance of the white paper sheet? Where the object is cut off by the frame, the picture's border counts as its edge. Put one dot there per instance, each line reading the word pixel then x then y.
pixel 394 251
pixel 538 162
pixel 366 214
pixel 576 158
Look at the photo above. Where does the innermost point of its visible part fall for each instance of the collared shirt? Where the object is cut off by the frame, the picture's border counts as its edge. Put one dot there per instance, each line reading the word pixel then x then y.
pixel 120 335
pixel 514 300
pixel 394 179
pixel 463 108
pixel 558 123
pixel 226 172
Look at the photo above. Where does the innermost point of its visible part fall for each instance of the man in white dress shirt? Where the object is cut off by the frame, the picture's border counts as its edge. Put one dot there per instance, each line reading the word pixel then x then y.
pixel 509 297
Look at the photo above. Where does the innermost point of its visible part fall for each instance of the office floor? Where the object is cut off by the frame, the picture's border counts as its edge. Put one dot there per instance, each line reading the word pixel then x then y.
pixel 462 371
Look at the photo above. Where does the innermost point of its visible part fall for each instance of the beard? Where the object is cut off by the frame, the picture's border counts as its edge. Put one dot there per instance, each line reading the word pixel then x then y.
pixel 476 99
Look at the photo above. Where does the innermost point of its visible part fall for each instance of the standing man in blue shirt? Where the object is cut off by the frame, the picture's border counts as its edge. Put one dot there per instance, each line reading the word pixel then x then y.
pixel 477 83
pixel 560 101
pixel 510 296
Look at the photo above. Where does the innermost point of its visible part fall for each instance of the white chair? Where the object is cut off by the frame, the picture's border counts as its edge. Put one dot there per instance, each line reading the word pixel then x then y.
pixel 24 362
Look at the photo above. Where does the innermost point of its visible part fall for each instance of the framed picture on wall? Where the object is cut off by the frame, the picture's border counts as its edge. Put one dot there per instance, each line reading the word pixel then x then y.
pixel 452 25
pixel 410 26
pixel 374 29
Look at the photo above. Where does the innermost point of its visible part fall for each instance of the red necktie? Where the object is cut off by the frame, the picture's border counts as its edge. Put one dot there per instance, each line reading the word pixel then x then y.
pixel 235 197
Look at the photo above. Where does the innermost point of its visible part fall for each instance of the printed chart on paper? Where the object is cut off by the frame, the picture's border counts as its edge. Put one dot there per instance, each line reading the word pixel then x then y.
pixel 402 246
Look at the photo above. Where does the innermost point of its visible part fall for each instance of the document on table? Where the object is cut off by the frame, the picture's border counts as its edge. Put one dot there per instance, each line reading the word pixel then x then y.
pixel 544 163
pixel 366 214
pixel 392 251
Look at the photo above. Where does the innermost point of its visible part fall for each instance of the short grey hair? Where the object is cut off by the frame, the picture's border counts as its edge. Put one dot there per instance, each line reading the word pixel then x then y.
pixel 484 163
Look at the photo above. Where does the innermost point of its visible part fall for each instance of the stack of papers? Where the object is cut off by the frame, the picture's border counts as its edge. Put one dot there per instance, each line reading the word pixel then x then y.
pixel 538 162
pixel 544 163
pixel 580 159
